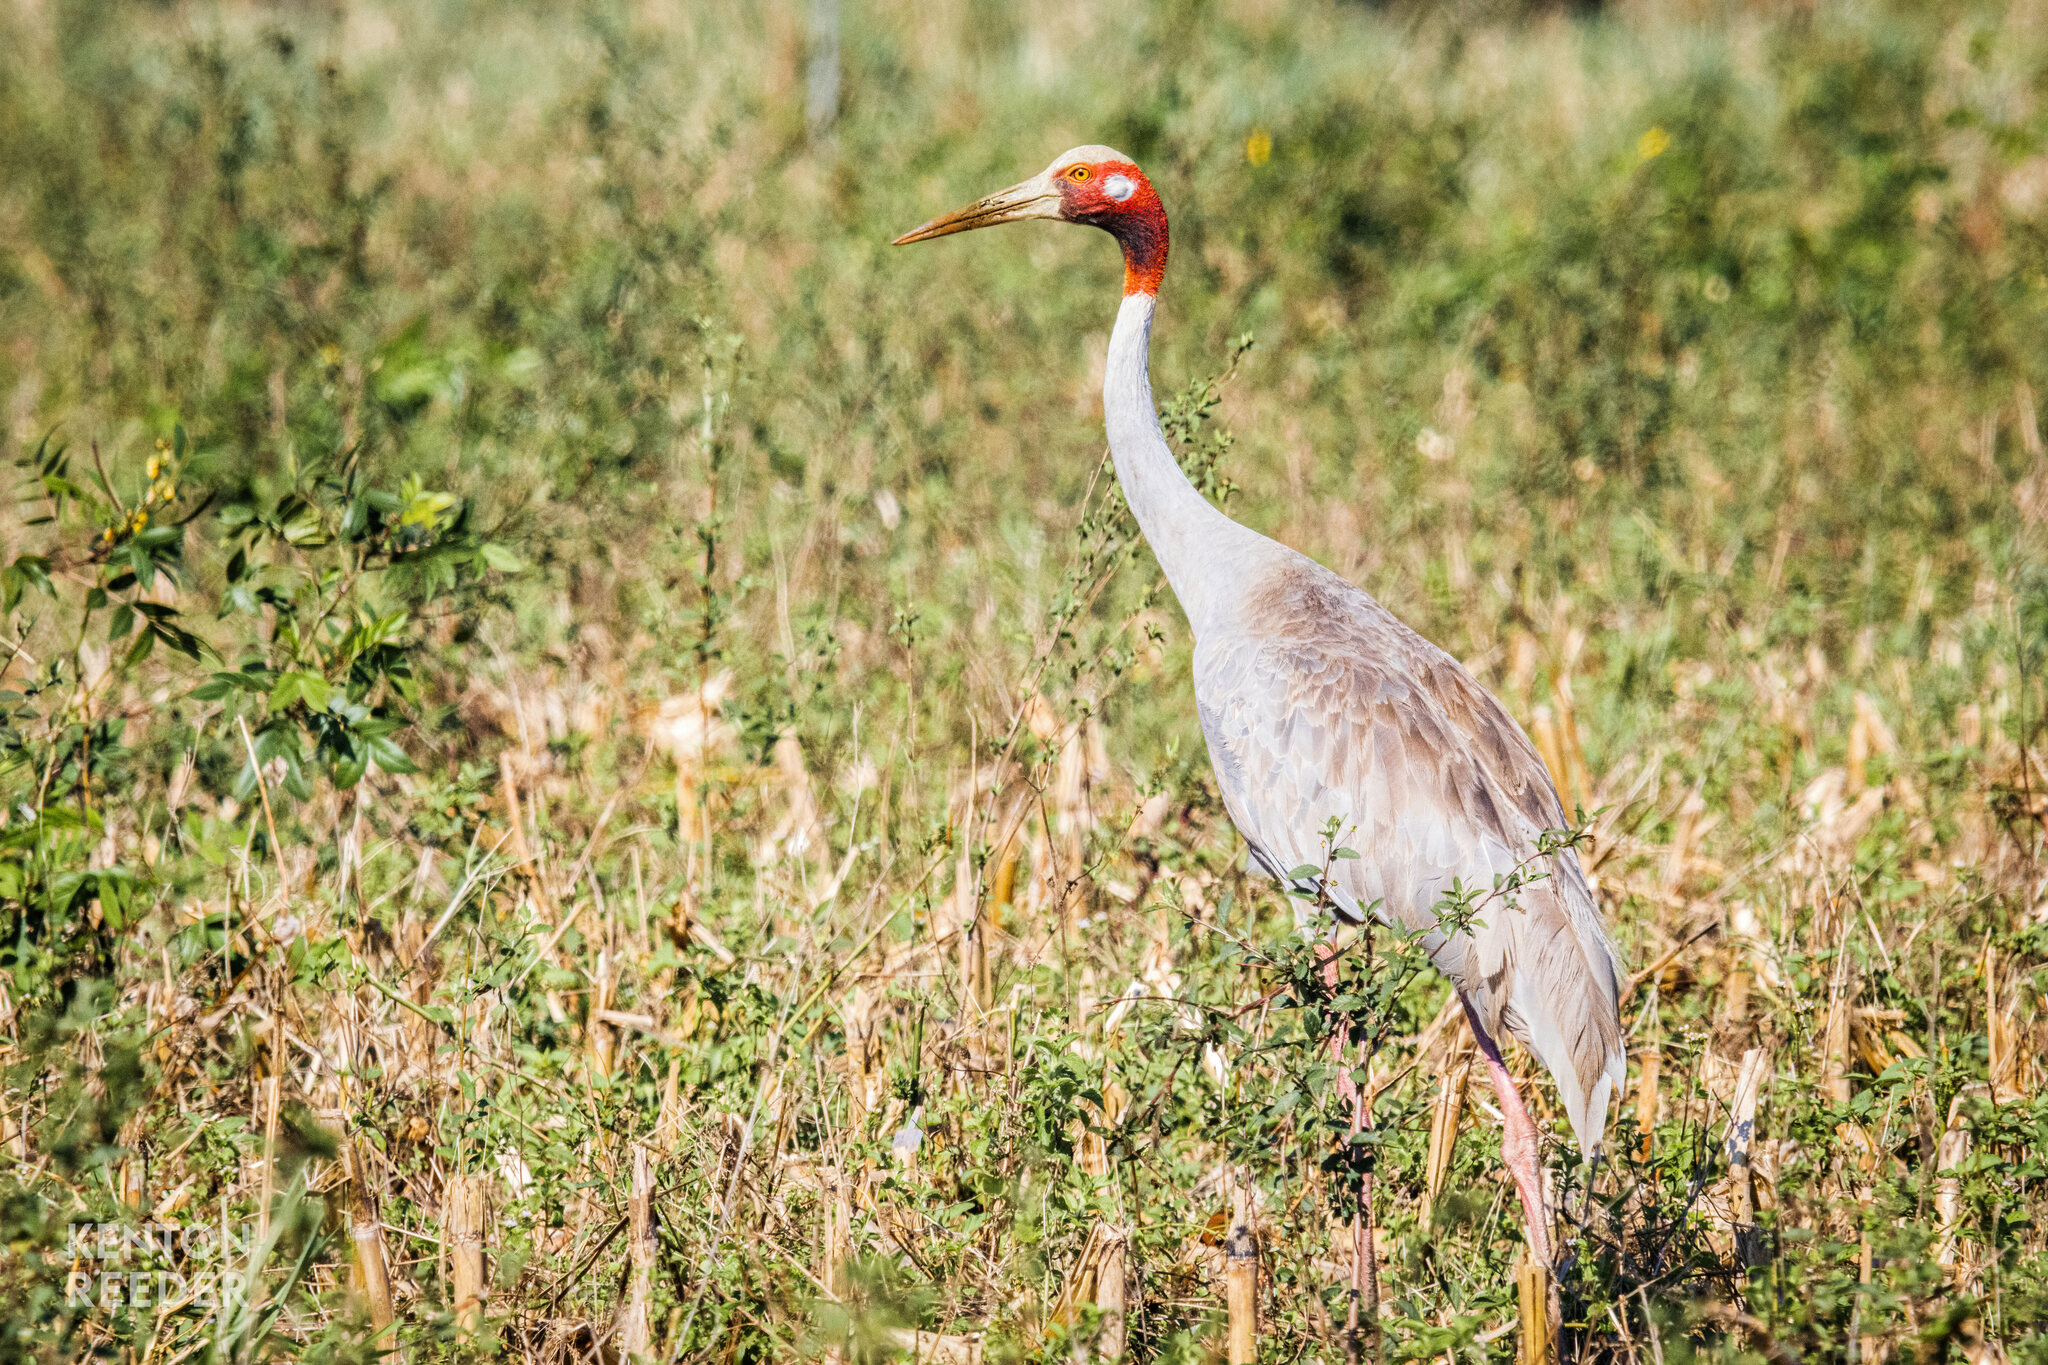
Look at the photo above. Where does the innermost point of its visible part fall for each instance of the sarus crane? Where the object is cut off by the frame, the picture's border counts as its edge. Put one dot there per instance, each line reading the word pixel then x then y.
pixel 1319 706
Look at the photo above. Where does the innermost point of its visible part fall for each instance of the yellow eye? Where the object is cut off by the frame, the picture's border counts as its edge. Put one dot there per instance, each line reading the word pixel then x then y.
pixel 1077 174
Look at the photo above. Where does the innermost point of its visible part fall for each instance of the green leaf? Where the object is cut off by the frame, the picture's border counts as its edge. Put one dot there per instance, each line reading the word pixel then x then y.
pixel 425 508
pixel 184 641
pixel 389 757
pixel 500 558
pixel 298 686
pixel 305 530
pixel 257 680
pixel 121 623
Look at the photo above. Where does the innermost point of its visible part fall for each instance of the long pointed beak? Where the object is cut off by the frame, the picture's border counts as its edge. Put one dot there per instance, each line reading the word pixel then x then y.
pixel 1037 197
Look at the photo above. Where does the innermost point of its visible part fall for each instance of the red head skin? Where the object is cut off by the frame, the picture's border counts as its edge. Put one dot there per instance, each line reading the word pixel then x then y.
pixel 1137 220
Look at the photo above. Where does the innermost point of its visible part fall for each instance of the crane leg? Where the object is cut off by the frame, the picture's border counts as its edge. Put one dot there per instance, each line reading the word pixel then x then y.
pixel 1518 1147
pixel 1326 953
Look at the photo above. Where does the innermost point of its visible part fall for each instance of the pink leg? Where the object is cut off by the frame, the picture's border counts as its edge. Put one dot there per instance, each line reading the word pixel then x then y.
pixel 1518 1140
pixel 1346 1088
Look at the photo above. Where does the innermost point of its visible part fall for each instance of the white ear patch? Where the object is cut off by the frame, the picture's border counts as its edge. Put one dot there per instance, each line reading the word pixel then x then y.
pixel 1119 187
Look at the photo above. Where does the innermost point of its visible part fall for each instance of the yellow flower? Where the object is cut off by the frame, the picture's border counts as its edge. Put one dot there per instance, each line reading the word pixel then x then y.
pixel 1653 142
pixel 1258 148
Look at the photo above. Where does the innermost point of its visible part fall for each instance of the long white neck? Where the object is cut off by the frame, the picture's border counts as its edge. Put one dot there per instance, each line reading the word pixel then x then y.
pixel 1202 551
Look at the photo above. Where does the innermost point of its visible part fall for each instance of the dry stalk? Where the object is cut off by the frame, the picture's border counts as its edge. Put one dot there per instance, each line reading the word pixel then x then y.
pixel 1834 1074
pixel 599 1039
pixel 838 1193
pixel 269 1097
pixel 1445 1117
pixel 1098 1276
pixel 2007 1061
pixel 1532 1295
pixel 1950 1155
pixel 977 983
pixel 1646 1099
pixel 1091 1138
pixel 1111 1289
pixel 466 1214
pixel 668 1124
pixel 1741 1131
pixel 1735 1004
pixel 1005 890
pixel 635 1322
pixel 521 850
pixel 1241 1279
pixel 366 1230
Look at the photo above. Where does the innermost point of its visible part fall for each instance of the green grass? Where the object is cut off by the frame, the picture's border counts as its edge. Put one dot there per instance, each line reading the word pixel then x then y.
pixel 536 386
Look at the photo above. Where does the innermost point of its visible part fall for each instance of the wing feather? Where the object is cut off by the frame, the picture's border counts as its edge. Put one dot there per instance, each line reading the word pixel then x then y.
pixel 1327 706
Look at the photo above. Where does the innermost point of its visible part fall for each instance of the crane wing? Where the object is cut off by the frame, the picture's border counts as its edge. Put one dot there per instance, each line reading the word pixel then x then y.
pixel 1325 706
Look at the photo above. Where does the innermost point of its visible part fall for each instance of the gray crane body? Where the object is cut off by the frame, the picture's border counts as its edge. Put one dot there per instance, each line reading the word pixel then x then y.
pixel 1319 705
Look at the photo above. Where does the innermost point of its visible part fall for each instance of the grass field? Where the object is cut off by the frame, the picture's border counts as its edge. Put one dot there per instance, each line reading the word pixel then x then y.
pixel 592 766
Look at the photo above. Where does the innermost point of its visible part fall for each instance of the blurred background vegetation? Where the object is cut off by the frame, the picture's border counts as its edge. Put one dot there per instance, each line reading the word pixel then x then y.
pixel 539 645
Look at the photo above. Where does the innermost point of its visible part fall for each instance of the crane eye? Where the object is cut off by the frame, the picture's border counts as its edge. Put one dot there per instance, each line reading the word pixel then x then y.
pixel 1077 174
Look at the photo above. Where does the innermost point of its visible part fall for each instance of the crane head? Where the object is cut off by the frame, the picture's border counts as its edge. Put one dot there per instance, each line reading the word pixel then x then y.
pixel 1098 186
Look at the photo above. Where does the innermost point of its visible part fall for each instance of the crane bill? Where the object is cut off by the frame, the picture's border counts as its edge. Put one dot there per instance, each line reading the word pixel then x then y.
pixel 1035 198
